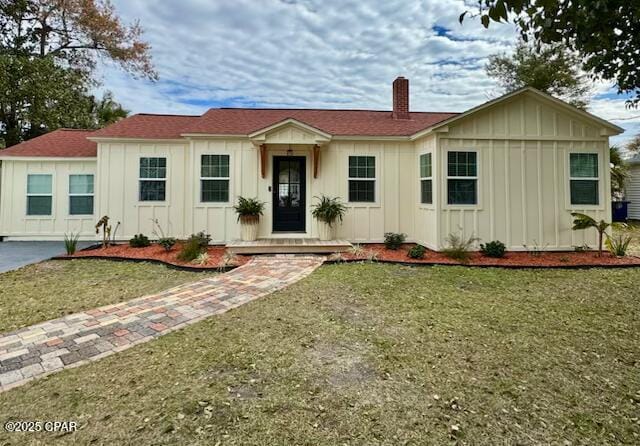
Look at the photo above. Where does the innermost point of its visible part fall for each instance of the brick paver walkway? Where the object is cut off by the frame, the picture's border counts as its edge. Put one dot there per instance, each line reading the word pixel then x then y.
pixel 73 340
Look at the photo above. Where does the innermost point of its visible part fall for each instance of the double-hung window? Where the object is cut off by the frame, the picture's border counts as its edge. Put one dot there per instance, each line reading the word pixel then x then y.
pixel 214 178
pixel 39 194
pixel 462 178
pixel 362 179
pixel 80 194
pixel 584 179
pixel 153 179
pixel 426 183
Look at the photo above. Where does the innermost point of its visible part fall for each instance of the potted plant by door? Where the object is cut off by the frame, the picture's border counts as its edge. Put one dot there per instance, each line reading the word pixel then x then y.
pixel 249 211
pixel 327 211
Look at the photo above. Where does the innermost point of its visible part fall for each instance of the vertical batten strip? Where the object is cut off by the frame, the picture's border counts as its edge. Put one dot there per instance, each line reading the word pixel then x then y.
pixel 540 207
pixel 523 195
pixel 556 205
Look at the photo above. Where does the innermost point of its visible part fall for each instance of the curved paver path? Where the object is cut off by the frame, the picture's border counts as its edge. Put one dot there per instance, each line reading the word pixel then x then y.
pixel 73 340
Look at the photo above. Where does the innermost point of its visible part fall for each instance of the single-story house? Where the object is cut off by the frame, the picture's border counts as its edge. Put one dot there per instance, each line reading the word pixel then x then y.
pixel 632 189
pixel 512 169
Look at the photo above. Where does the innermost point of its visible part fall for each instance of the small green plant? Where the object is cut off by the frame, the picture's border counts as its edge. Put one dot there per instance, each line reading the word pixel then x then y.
pixel 328 209
pixel 582 248
pixel 493 249
pixel 71 242
pixel 417 252
pixel 458 247
pixel 393 240
pixel 583 221
pixel 167 243
pixel 336 257
pixel 618 245
pixel 164 241
pixel 249 210
pixel 371 255
pixel 195 245
pixel 139 241
pixel 202 259
pixel 228 259
pixel 536 249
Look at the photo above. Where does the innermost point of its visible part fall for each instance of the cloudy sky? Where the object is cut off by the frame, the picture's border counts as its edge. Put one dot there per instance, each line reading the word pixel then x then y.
pixel 318 53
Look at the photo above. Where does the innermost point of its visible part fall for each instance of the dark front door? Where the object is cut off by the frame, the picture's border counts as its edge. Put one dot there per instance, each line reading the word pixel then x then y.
pixel 289 193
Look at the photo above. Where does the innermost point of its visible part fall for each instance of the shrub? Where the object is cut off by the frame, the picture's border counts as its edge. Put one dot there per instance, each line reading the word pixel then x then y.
pixel 249 209
pixel 458 248
pixel 139 241
pixel 417 252
pixel 328 209
pixel 167 243
pixel 71 242
pixel 194 246
pixel 394 240
pixel 493 249
pixel 618 245
pixel 357 250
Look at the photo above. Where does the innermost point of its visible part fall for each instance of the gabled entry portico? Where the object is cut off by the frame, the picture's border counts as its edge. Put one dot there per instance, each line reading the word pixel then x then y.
pixel 289 157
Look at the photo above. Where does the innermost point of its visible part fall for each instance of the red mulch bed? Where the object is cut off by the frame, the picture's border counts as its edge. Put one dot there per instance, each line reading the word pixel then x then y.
pixel 159 254
pixel 549 259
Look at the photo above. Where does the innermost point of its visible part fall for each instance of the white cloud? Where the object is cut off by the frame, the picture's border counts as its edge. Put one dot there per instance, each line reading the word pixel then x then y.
pixel 313 53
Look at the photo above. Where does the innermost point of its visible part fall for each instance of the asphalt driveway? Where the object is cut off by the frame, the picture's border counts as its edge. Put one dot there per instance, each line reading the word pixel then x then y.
pixel 14 255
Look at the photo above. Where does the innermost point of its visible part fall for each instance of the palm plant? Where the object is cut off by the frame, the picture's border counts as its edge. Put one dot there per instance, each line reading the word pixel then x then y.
pixel 249 209
pixel 107 110
pixel 583 221
pixel 329 209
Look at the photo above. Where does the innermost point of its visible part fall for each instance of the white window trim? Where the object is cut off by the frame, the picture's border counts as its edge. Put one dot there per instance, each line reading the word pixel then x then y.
pixel 421 178
pixel 375 179
pixel 165 179
pixel 93 178
pixel 575 207
pixel 213 203
pixel 447 178
pixel 27 195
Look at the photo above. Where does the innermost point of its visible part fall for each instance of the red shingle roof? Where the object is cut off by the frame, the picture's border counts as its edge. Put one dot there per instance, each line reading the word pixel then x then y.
pixel 148 126
pixel 64 143
pixel 243 121
pixel 225 121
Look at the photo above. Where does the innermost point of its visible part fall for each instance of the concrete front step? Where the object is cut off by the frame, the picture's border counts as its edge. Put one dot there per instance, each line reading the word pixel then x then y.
pixel 288 246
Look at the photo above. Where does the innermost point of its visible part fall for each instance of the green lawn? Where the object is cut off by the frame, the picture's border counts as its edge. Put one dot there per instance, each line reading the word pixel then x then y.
pixel 53 289
pixel 364 354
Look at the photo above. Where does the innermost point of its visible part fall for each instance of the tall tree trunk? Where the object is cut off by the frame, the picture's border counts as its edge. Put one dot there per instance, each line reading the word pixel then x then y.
pixel 12 128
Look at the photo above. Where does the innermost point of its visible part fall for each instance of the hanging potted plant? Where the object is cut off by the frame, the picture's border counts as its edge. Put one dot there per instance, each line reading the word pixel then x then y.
pixel 327 211
pixel 249 211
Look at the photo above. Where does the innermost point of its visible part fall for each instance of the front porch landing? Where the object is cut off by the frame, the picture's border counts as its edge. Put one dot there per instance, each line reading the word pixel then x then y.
pixel 288 246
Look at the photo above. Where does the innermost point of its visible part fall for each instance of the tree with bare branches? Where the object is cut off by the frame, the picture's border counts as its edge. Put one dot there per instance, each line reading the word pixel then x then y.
pixel 48 52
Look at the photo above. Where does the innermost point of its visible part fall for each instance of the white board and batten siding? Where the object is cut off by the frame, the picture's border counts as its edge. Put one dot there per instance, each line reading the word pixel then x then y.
pixel 523 148
pixel 522 143
pixel 14 221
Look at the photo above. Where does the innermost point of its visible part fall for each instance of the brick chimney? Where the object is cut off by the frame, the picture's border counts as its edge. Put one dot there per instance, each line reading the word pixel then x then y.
pixel 400 98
